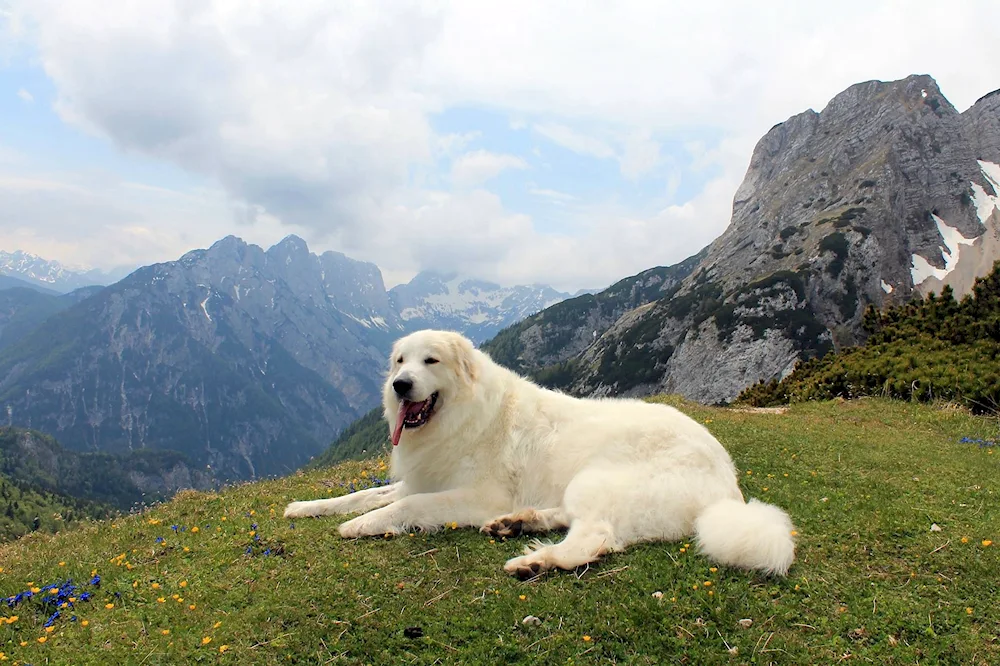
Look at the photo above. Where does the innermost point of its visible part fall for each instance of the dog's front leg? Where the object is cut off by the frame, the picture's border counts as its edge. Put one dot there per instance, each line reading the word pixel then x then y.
pixel 362 500
pixel 427 511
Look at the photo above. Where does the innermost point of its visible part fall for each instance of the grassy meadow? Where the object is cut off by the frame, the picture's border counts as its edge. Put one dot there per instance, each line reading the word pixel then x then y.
pixel 896 516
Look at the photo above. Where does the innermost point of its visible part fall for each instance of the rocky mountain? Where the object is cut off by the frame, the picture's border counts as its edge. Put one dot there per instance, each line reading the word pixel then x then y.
pixel 245 361
pixel 478 308
pixel 10 282
pixel 22 309
pixel 35 461
pixel 53 275
pixel 886 193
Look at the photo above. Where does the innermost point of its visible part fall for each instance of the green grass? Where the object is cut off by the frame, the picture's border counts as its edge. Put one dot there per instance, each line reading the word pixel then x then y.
pixel 863 481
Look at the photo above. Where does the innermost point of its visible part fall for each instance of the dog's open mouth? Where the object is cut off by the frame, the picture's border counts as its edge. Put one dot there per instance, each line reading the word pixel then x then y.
pixel 413 415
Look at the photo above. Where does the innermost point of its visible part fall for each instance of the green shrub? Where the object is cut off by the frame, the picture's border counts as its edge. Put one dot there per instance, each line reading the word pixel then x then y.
pixel 935 348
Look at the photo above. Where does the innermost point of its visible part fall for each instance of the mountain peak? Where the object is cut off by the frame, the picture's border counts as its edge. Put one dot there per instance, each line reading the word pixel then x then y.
pixel 291 244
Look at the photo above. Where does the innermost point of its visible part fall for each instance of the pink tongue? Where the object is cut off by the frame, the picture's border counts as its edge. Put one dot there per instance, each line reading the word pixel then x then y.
pixel 405 407
pixel 398 432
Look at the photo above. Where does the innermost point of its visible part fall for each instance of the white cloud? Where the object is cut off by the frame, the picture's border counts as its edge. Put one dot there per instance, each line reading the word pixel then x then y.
pixel 479 166
pixel 577 142
pixel 97 221
pixel 555 195
pixel 315 117
pixel 641 154
pixel 25 95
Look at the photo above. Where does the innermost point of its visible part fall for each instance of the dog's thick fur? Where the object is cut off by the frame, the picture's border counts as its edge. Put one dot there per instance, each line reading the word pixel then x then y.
pixel 505 455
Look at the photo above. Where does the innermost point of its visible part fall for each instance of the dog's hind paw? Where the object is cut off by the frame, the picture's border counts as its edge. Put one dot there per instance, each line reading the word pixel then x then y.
pixel 524 568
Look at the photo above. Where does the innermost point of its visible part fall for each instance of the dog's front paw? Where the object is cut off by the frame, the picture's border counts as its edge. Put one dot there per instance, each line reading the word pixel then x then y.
pixel 505 526
pixel 364 526
pixel 299 510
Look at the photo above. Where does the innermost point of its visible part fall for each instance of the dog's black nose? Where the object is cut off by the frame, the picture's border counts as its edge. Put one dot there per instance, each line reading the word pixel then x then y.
pixel 402 387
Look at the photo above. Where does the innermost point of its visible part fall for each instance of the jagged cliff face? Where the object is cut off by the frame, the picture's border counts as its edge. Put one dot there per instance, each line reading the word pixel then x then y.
pixel 887 193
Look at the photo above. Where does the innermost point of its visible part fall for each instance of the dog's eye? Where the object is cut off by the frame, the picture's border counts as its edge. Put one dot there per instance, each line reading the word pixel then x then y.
pixel 430 360
pixel 399 360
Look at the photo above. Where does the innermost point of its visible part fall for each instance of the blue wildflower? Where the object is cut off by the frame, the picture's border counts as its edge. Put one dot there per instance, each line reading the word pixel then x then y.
pixel 159 539
pixel 96 581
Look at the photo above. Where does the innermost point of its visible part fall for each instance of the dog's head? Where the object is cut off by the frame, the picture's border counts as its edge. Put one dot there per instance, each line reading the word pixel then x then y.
pixel 429 373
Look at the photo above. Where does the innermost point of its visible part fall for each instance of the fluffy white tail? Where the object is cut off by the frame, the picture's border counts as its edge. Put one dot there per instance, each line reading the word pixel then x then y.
pixel 754 535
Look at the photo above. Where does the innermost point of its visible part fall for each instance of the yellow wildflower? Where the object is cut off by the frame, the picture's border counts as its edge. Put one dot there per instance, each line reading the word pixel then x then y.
pixel 223 648
pixel 206 640
pixel 165 632
pixel 49 630
pixel 194 529
pixel 987 542
pixel 587 639
pixel 42 639
pixel 216 625
pixel 183 583
pixel 109 606
pixel 85 623
pixel 161 600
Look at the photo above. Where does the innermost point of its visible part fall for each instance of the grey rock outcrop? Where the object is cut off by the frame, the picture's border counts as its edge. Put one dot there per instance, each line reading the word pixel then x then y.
pixel 887 193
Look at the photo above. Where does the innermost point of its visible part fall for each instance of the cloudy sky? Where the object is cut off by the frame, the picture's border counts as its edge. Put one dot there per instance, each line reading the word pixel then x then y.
pixel 565 142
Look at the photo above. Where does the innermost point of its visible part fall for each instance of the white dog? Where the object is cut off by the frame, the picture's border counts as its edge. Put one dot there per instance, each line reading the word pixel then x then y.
pixel 477 445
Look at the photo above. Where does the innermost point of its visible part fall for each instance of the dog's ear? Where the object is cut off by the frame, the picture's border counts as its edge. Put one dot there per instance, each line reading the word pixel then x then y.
pixel 465 360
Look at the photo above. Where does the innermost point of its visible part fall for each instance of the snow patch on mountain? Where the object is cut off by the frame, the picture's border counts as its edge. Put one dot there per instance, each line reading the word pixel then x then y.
pixel 987 203
pixel 921 269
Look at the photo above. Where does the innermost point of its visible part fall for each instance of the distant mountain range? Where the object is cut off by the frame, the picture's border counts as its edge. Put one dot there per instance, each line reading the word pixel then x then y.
pixel 52 275
pixel 245 361
pixel 477 308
